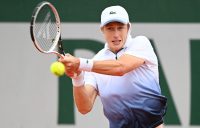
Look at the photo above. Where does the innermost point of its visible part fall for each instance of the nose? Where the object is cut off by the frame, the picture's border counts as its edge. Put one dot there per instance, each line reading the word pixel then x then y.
pixel 116 33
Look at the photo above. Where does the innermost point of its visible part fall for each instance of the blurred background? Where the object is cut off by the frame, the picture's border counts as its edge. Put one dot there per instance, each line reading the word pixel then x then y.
pixel 32 97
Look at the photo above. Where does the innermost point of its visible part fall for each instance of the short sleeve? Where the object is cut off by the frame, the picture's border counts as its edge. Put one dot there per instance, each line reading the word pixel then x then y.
pixel 90 79
pixel 141 47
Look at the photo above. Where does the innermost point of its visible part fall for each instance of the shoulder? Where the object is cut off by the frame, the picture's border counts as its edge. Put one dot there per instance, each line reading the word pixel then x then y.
pixel 141 40
pixel 100 54
pixel 141 47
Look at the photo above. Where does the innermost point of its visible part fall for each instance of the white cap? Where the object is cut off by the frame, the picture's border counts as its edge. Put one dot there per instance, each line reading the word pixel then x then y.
pixel 114 13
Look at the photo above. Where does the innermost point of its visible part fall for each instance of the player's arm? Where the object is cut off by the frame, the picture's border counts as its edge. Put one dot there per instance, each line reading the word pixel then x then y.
pixel 84 97
pixel 117 67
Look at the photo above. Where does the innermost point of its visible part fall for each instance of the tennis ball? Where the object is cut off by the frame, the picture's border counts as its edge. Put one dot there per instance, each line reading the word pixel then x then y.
pixel 57 68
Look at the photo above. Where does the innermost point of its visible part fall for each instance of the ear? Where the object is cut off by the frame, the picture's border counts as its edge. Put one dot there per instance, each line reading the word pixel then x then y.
pixel 128 25
pixel 102 29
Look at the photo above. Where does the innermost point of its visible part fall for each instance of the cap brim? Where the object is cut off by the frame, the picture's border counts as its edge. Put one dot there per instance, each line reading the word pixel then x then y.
pixel 113 20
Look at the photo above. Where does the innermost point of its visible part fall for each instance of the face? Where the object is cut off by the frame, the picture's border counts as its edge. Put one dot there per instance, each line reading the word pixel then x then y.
pixel 115 34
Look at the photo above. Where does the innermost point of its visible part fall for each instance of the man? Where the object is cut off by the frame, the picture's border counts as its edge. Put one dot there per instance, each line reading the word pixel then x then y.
pixel 124 74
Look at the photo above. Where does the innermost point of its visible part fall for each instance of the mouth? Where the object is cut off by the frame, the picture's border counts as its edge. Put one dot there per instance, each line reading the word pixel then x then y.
pixel 116 42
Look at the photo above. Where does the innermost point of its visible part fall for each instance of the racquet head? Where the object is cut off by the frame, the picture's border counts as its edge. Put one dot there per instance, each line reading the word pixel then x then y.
pixel 45 29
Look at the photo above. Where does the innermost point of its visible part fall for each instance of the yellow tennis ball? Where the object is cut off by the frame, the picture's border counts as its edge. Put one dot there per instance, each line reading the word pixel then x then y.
pixel 57 68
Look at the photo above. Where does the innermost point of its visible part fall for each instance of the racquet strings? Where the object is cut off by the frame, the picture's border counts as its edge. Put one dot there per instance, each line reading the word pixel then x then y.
pixel 45 29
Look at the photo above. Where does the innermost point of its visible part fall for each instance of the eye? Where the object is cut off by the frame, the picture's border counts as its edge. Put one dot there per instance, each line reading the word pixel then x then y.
pixel 121 28
pixel 110 28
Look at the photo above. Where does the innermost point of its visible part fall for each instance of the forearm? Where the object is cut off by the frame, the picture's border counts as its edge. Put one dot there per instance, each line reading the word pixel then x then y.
pixel 109 67
pixel 82 99
pixel 84 95
pixel 119 67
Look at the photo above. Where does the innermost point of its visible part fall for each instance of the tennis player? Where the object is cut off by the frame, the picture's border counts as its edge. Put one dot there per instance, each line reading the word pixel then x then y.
pixel 124 74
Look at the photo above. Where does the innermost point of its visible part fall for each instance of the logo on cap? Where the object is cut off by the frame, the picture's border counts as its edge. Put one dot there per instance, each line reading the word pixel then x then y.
pixel 112 12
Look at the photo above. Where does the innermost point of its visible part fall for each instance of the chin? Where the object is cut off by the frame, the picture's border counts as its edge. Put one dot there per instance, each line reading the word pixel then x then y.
pixel 116 50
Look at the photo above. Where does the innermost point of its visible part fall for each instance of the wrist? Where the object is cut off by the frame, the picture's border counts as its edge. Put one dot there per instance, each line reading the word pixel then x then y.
pixel 78 81
pixel 86 64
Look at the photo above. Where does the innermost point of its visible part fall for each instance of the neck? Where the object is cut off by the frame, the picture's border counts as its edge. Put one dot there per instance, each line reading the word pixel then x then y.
pixel 117 50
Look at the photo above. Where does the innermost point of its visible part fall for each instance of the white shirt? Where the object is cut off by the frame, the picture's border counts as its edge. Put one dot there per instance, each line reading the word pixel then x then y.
pixel 139 46
pixel 119 94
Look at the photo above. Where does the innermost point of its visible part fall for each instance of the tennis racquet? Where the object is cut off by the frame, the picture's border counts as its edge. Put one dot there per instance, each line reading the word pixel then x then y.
pixel 45 29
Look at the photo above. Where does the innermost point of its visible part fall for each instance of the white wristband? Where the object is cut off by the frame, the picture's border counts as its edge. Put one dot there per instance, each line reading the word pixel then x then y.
pixel 86 64
pixel 79 80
